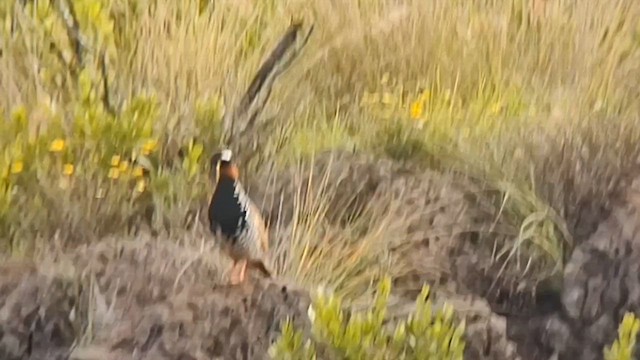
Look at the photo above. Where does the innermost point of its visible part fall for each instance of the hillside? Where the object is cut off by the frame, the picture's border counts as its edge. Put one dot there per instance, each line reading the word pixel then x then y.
pixel 488 151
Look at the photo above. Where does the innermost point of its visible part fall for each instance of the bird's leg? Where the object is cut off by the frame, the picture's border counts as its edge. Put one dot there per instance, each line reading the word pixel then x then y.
pixel 243 269
pixel 233 276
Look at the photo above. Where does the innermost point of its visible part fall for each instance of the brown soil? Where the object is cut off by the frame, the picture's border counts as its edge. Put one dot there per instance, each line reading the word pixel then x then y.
pixel 131 304
pixel 142 299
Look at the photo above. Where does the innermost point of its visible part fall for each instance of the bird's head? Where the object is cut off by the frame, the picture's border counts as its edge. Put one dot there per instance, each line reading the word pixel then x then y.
pixel 222 165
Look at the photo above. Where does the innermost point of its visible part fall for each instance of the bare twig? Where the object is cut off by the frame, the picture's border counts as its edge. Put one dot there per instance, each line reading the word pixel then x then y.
pixel 81 47
pixel 106 100
pixel 72 27
pixel 259 143
pixel 241 122
pixel 14 19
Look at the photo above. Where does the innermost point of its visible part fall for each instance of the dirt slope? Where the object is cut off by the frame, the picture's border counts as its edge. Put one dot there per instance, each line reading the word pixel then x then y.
pixel 155 298
pixel 123 300
pixel 134 300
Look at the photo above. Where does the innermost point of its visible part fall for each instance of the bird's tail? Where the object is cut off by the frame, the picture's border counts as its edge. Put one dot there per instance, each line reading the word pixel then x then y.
pixel 259 264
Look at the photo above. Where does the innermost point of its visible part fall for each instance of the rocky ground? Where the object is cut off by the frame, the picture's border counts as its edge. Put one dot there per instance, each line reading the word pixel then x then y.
pixel 137 309
pixel 601 283
pixel 149 298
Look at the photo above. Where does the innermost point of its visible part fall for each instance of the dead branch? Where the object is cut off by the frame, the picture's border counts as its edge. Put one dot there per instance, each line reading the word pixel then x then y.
pixel 106 99
pixel 72 26
pixel 239 125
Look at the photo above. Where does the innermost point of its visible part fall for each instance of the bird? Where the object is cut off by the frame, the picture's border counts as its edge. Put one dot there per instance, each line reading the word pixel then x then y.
pixel 236 220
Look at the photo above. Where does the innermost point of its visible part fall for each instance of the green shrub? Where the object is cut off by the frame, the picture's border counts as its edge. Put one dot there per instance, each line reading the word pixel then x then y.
pixel 623 347
pixel 364 335
pixel 76 158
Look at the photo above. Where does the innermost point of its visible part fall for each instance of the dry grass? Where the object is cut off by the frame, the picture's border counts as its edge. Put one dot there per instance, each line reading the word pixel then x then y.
pixel 539 104
pixel 357 251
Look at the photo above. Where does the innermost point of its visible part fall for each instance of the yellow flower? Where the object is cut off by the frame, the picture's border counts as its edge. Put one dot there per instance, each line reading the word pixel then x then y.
pixel 141 185
pixel 138 172
pixel 115 160
pixel 124 166
pixel 17 167
pixel 57 145
pixel 416 110
pixel 114 173
pixel 68 169
pixel 149 146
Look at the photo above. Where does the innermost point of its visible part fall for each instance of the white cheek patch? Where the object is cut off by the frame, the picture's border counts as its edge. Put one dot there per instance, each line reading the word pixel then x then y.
pixel 226 155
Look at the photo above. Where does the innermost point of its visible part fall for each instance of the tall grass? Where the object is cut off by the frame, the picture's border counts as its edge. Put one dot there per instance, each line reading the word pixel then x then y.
pixel 539 104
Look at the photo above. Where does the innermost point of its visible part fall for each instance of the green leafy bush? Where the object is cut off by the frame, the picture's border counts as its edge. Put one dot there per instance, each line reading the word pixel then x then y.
pixel 623 347
pixel 364 335
pixel 75 158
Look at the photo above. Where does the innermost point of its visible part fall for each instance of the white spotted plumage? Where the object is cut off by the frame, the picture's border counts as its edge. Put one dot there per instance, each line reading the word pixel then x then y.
pixel 252 236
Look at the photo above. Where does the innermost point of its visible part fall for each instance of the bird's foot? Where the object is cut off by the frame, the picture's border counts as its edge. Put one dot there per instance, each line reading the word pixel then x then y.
pixel 238 272
pixel 243 270
pixel 233 274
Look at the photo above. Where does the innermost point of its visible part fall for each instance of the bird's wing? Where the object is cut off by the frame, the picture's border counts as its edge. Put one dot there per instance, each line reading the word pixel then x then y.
pixel 253 222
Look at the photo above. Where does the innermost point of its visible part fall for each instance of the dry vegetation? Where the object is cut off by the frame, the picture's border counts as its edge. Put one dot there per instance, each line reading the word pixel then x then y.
pixel 492 135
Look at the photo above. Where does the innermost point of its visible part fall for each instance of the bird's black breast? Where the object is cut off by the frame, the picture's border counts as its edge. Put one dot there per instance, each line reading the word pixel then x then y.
pixel 226 212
